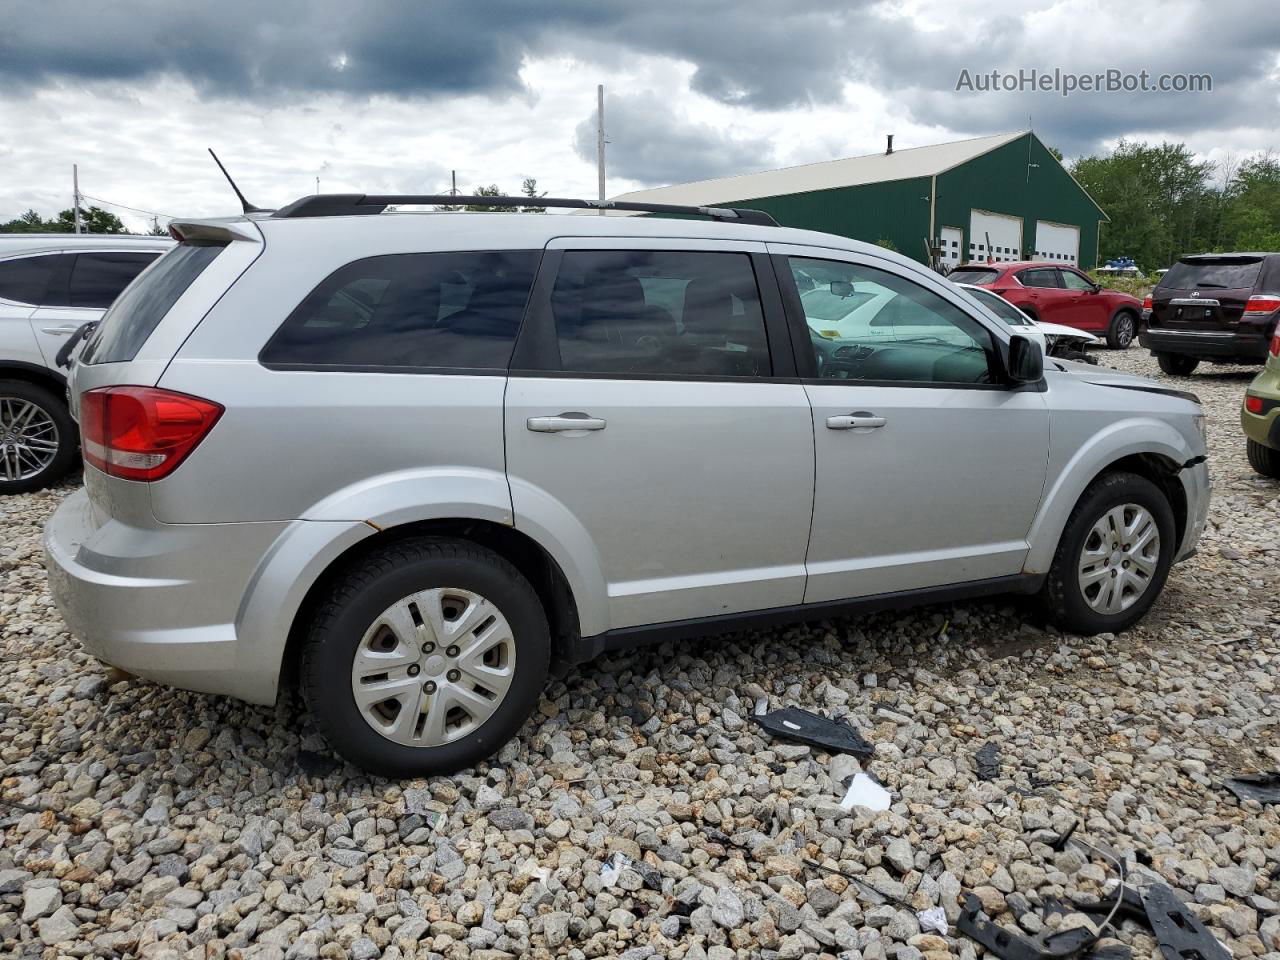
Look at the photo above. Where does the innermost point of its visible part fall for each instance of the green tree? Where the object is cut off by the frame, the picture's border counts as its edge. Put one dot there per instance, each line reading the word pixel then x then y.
pixel 92 220
pixel 1251 207
pixel 530 189
pixel 29 222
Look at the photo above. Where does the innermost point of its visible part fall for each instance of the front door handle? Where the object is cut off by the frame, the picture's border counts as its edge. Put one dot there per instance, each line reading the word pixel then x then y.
pixel 565 423
pixel 855 421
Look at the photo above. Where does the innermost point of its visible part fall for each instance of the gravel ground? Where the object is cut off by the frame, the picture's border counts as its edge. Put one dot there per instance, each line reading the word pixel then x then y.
pixel 144 821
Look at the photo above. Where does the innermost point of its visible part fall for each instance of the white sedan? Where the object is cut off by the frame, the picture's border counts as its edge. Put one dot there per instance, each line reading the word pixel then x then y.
pixel 1055 339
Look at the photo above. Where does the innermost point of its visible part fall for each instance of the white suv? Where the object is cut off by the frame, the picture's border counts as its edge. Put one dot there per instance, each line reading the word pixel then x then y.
pixel 419 460
pixel 50 285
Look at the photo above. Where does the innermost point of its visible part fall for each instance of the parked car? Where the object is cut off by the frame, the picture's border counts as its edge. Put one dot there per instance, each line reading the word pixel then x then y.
pixel 51 284
pixel 1053 293
pixel 420 461
pixel 1055 339
pixel 1260 415
pixel 1219 307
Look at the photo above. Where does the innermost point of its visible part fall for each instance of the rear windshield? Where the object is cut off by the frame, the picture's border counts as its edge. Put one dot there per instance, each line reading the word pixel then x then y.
pixel 142 306
pixel 1234 274
pixel 973 275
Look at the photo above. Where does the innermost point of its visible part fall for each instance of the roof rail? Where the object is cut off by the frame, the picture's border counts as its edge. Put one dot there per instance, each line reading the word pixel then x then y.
pixel 356 204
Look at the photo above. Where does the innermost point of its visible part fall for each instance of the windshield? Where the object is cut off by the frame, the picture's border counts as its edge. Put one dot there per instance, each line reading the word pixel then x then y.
pixel 973 275
pixel 1001 307
pixel 1232 274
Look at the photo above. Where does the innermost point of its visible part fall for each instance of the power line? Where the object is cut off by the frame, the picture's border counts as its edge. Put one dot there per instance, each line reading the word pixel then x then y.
pixel 125 206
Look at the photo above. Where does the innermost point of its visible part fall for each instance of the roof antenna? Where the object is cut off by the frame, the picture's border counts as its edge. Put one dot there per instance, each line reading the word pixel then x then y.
pixel 248 207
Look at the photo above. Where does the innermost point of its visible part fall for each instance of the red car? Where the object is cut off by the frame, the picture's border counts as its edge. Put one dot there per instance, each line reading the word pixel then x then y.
pixel 1056 293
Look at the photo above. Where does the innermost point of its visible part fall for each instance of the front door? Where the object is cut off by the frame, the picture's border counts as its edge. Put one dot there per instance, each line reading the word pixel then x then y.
pixel 929 471
pixel 648 421
pixel 1087 310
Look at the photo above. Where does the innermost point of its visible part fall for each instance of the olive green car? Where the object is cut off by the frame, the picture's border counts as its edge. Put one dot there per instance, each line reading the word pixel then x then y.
pixel 1260 415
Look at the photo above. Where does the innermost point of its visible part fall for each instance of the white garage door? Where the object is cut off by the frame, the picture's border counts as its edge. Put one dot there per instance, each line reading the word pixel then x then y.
pixel 994 236
pixel 1056 241
pixel 949 239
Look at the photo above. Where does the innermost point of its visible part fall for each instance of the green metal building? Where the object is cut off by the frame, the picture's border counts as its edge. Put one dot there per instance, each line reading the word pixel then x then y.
pixel 1000 198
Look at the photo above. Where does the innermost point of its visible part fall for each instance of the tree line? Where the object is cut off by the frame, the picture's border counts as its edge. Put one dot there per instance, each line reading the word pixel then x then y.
pixel 1163 202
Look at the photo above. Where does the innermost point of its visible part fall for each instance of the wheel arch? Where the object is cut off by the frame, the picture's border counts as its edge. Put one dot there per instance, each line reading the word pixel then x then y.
pixel 33 373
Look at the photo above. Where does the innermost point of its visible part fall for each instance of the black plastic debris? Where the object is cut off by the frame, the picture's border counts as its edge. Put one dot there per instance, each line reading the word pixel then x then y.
pixel 1179 934
pixel 988 759
pixel 1004 943
pixel 792 723
pixel 1263 787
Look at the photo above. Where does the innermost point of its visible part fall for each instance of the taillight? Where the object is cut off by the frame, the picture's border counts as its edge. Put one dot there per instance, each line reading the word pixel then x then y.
pixel 142 433
pixel 1262 304
pixel 1146 302
pixel 1275 345
pixel 1252 404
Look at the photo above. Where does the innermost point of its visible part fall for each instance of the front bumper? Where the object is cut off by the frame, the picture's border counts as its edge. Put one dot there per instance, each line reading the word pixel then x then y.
pixel 1241 346
pixel 162 601
pixel 1195 484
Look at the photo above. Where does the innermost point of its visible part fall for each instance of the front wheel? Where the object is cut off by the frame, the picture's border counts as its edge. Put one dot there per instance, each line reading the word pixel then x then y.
pixel 1124 327
pixel 426 658
pixel 1263 459
pixel 1176 364
pixel 37 437
pixel 1113 558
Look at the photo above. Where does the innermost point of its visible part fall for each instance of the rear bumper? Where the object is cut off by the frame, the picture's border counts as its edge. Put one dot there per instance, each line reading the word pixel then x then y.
pixel 1241 346
pixel 1263 428
pixel 162 601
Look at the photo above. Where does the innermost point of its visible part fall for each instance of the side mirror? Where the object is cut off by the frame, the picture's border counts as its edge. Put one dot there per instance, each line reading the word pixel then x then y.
pixel 1097 288
pixel 1026 361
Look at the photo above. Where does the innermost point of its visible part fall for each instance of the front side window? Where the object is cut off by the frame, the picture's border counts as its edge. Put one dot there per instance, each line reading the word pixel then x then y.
pixel 98 278
pixel 446 311
pixel 659 313
pixel 29 279
pixel 1039 277
pixel 1073 281
pixel 895 329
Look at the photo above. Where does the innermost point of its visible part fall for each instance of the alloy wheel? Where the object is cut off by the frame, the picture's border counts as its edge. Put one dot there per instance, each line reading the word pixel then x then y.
pixel 1119 558
pixel 28 439
pixel 1124 331
pixel 433 667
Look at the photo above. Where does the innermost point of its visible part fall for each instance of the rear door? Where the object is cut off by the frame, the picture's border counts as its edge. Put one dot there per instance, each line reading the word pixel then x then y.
pixel 1040 294
pixel 86 286
pixel 653 417
pixel 928 470
pixel 25 280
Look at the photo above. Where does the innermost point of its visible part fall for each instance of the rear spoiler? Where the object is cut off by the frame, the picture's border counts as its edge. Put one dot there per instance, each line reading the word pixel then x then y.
pixel 215 231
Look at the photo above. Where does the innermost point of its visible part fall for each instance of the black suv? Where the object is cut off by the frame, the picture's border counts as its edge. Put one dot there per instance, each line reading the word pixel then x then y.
pixel 1220 307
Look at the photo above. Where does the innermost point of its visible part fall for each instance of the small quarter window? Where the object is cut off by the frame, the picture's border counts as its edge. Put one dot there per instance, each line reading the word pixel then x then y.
pixel 29 279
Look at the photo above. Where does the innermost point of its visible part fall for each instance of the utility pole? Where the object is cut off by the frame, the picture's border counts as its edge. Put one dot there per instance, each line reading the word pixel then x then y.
pixel 75 188
pixel 317 185
pixel 453 190
pixel 600 143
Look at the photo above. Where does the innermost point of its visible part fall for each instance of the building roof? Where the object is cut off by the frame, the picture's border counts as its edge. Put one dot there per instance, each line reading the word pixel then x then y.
pixel 904 164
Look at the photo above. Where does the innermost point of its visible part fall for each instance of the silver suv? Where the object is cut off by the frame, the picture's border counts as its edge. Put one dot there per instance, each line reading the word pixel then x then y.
pixel 418 461
pixel 50 286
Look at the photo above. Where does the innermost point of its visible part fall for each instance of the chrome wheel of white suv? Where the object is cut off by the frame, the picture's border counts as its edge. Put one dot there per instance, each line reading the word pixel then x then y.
pixel 433 667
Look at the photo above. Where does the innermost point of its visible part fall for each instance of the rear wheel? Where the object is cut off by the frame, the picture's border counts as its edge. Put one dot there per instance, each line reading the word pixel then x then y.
pixel 426 659
pixel 1113 558
pixel 1263 459
pixel 37 437
pixel 1176 365
pixel 1124 327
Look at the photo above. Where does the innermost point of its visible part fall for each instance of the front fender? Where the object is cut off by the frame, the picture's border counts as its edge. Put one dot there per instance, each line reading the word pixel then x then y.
pixel 1124 438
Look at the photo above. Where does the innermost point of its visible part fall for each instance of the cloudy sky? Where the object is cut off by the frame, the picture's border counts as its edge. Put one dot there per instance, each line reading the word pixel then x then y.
pixel 391 95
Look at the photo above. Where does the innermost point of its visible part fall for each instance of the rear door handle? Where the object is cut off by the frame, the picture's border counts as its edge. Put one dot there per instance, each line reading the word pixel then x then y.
pixel 565 423
pixel 60 331
pixel 855 421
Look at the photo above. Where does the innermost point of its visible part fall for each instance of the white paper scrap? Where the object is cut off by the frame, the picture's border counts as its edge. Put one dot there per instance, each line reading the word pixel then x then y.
pixel 865 792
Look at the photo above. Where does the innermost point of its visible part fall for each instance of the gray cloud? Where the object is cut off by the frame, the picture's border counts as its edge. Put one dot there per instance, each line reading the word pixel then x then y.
pixel 648 143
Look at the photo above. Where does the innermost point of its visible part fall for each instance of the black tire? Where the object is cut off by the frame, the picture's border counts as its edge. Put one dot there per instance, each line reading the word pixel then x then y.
pixel 357 599
pixel 1177 364
pixel 1079 356
pixel 1122 330
pixel 68 437
pixel 1263 459
pixel 1061 597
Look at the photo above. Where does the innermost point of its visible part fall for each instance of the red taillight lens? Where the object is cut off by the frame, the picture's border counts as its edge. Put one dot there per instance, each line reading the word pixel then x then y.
pixel 1146 303
pixel 1252 404
pixel 1264 304
pixel 1275 345
pixel 142 433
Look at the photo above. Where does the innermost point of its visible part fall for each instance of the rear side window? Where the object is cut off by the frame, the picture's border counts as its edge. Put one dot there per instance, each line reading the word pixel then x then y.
pixel 427 311
pixel 659 313
pixel 978 275
pixel 29 279
pixel 1233 274
pixel 1039 278
pixel 98 278
pixel 137 313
